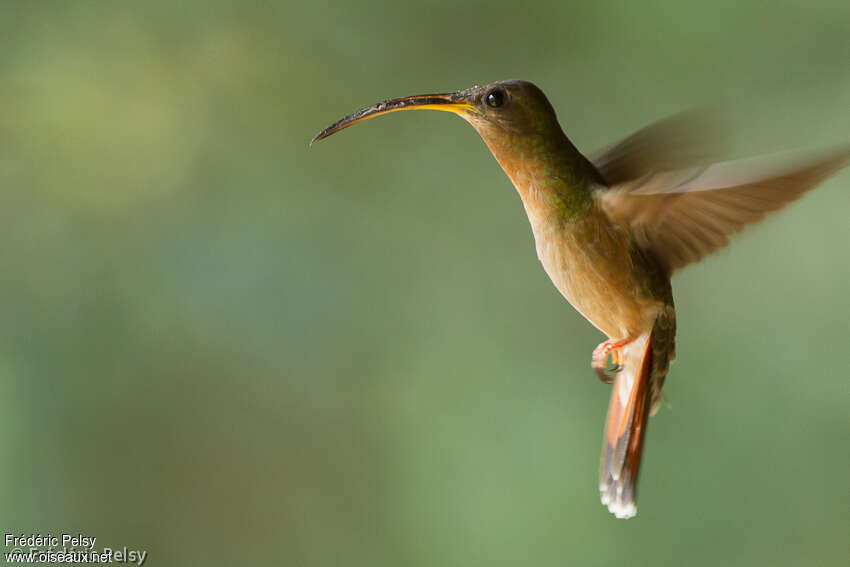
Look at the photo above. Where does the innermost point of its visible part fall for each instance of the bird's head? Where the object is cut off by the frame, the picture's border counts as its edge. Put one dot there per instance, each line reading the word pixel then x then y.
pixel 505 109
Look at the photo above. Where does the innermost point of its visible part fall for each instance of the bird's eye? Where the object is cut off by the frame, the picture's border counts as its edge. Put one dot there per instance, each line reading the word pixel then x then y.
pixel 496 98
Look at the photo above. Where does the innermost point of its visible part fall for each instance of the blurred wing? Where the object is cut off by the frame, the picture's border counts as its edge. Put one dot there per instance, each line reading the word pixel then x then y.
pixel 684 140
pixel 681 216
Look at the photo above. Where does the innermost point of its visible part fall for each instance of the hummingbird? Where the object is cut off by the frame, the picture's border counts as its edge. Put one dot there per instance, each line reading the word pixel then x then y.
pixel 610 230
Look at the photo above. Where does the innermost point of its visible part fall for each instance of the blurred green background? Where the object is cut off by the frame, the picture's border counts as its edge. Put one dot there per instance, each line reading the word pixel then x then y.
pixel 223 347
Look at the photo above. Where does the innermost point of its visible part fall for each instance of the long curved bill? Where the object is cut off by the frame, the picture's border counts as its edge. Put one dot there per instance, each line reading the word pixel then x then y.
pixel 451 102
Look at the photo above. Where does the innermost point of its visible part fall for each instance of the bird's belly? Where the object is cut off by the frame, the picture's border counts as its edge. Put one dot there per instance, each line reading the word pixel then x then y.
pixel 597 275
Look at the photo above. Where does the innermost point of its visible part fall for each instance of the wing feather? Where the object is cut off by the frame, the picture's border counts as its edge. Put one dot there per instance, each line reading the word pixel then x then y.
pixel 683 140
pixel 683 215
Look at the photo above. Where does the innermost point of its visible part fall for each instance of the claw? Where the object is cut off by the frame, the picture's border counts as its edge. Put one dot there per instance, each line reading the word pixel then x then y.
pixel 603 375
pixel 599 360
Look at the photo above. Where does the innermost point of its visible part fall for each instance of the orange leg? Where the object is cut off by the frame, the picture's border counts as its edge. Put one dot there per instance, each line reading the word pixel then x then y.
pixel 599 360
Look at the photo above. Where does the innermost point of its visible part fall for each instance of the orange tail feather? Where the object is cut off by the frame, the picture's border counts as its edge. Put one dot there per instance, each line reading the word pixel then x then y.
pixel 625 429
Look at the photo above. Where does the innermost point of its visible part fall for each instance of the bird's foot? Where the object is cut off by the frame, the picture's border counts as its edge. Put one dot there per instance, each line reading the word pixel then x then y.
pixel 599 360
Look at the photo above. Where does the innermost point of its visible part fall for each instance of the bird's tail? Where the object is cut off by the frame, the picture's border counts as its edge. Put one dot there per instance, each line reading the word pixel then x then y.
pixel 625 428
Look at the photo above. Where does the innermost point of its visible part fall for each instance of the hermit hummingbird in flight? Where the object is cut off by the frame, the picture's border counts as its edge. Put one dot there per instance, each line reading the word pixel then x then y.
pixel 610 230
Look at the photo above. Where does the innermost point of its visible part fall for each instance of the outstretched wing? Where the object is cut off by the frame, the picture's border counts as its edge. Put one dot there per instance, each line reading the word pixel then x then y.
pixel 688 139
pixel 683 215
